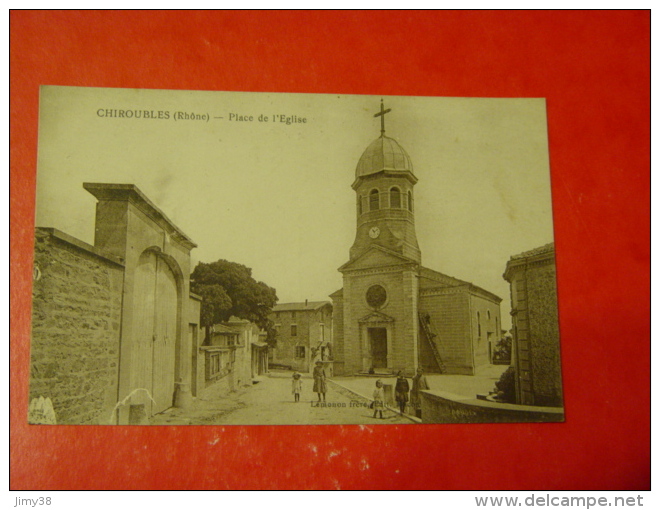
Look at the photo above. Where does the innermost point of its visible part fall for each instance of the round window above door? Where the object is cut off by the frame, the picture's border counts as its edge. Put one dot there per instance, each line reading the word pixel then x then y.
pixel 376 296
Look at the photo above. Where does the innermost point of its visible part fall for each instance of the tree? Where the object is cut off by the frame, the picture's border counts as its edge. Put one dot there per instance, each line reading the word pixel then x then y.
pixel 271 334
pixel 216 303
pixel 505 388
pixel 502 350
pixel 230 290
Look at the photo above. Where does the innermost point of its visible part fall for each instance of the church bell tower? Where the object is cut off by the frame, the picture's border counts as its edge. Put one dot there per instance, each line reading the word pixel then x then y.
pixel 384 182
pixel 390 311
pixel 376 310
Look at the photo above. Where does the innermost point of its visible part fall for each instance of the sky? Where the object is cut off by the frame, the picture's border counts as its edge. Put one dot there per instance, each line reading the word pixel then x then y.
pixel 277 197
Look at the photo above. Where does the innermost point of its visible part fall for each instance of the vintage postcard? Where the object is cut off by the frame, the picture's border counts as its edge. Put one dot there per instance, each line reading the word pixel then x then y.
pixel 221 258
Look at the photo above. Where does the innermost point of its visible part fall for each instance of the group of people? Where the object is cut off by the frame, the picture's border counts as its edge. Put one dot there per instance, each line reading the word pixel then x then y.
pixel 320 386
pixel 402 393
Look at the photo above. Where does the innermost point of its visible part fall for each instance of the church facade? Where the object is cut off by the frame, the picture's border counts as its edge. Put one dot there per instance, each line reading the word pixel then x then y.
pixel 393 313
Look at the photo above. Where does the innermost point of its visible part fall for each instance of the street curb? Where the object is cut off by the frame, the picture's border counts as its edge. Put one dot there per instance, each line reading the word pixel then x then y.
pixel 343 390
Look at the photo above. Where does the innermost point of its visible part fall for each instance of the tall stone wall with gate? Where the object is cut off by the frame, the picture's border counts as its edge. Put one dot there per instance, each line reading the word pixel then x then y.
pixel 153 250
pixel 113 327
pixel 76 325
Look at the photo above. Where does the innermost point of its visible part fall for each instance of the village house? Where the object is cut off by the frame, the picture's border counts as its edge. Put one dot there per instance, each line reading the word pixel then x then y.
pixel 304 334
pixel 533 280
pixel 234 355
pixel 252 356
pixel 217 359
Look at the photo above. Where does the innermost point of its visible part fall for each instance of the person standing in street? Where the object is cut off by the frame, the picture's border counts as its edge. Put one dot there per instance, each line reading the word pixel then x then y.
pixel 419 384
pixel 296 387
pixel 320 386
pixel 401 391
pixel 379 399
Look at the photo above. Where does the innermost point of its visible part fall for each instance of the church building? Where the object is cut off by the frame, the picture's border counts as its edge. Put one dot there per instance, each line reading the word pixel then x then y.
pixel 393 313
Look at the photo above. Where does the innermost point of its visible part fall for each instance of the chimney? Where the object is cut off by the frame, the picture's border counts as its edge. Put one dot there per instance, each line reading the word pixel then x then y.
pixel 306 303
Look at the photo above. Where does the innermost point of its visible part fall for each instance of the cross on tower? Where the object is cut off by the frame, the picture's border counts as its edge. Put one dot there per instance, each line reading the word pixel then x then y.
pixel 381 114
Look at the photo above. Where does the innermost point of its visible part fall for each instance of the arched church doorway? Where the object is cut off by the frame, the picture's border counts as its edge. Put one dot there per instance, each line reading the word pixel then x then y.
pixel 156 318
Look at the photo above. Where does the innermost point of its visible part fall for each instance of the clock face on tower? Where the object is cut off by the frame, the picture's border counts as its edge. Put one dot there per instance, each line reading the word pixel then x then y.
pixel 374 232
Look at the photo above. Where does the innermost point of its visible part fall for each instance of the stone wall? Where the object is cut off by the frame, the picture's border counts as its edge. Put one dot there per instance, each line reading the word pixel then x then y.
pixel 486 323
pixel 465 319
pixel 450 321
pixel 544 334
pixel 76 325
pixel 444 407
pixel 532 276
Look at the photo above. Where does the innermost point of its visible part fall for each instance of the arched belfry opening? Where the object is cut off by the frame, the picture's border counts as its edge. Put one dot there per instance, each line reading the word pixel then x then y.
pixel 395 198
pixel 374 200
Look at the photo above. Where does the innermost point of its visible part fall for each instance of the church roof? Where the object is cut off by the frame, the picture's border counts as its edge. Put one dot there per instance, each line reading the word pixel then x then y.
pixel 435 277
pixel 366 259
pixel 439 280
pixel 384 153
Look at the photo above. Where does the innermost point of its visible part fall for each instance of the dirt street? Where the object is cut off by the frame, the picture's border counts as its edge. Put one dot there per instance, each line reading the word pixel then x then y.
pixel 270 402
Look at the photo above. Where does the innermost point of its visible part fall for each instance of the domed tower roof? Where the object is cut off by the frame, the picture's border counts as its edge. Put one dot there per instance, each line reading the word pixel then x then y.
pixel 384 153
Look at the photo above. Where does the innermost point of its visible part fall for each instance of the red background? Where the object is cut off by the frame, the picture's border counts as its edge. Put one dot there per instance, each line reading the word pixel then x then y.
pixel 594 70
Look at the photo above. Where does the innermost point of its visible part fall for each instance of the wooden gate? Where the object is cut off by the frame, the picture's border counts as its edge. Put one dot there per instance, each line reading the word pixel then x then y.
pixel 156 314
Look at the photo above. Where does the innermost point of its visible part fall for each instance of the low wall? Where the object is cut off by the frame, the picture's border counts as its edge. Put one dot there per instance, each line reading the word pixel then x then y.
pixel 445 407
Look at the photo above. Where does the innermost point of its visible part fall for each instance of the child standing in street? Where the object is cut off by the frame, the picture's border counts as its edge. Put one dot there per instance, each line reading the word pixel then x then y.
pixel 296 387
pixel 379 399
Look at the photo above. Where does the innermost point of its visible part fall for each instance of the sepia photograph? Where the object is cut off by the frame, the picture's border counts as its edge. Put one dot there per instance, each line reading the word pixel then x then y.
pixel 244 258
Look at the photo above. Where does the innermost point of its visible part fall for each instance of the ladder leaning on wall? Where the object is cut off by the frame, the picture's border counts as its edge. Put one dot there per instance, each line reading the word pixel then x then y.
pixel 425 324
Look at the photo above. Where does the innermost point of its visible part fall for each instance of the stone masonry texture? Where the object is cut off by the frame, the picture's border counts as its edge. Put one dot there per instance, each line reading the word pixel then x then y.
pixel 76 319
pixel 532 276
pixel 308 335
pixel 544 329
